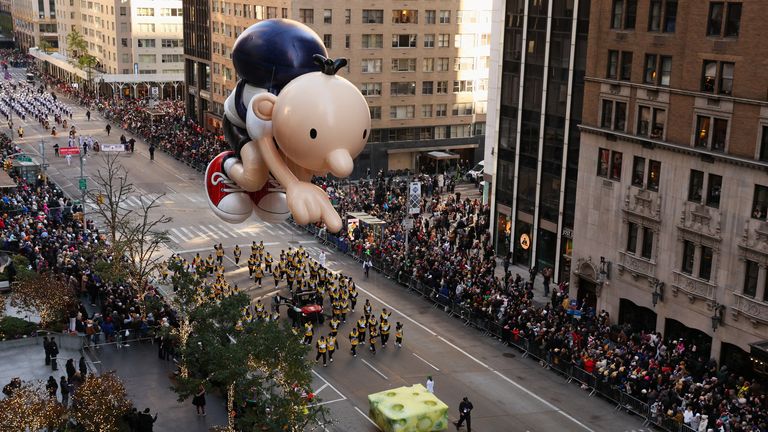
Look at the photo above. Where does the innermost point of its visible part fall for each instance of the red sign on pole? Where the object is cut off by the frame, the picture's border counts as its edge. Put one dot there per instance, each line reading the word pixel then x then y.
pixel 64 151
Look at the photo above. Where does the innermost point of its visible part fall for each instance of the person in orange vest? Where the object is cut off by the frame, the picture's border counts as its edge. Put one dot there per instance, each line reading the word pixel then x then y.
pixel 331 346
pixel 308 333
pixel 353 340
pixel 373 331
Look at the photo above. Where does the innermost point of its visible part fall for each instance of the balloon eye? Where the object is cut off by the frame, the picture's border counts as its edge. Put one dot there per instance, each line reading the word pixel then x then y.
pixel 313 133
pixel 365 133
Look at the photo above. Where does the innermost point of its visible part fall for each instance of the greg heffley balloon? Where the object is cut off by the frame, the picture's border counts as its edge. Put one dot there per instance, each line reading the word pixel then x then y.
pixel 289 118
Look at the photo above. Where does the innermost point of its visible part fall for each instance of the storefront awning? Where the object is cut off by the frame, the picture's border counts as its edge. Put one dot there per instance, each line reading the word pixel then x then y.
pixel 440 155
pixel 433 148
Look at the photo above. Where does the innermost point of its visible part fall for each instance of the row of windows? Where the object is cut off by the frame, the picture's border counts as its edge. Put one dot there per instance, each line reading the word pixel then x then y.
pixel 152 43
pixel 408 88
pixel 247 10
pixel 703 188
pixel 150 11
pixel 164 58
pixel 428 64
pixel 400 16
pixel 723 18
pixel 430 111
pixel 375 41
pixel 426 133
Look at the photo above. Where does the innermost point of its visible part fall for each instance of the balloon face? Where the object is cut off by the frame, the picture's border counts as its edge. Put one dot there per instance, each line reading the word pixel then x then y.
pixel 321 122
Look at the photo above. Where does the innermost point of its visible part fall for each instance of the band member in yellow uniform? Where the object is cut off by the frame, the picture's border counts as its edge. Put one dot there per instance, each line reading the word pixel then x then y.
pixel 385 314
pixel 268 262
pixel 352 294
pixel 399 334
pixel 362 325
pixel 308 333
pixel 367 309
pixel 344 309
pixel 209 264
pixel 334 325
pixel 219 254
pixel 322 347
pixel 354 339
pixel 374 333
pixel 258 273
pixel 384 330
pixel 251 266
pixel 331 346
pixel 237 253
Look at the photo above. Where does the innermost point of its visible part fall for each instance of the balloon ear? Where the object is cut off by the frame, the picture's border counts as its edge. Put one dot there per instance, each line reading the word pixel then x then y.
pixel 263 104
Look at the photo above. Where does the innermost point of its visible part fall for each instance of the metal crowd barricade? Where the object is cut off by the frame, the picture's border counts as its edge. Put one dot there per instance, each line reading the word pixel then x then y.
pixel 584 378
pixel 560 366
pixel 636 406
pixel 608 391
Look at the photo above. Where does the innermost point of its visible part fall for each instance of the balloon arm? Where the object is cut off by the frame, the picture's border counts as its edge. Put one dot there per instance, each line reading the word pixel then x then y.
pixel 275 163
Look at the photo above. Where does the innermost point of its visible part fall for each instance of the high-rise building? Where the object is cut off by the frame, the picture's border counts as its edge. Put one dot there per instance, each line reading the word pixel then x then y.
pixel 533 133
pixel 34 23
pixel 197 58
pixel 6 22
pixel 137 45
pixel 670 231
pixel 423 69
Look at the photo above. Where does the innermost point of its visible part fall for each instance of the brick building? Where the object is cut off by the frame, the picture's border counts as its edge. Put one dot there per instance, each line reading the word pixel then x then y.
pixel 670 228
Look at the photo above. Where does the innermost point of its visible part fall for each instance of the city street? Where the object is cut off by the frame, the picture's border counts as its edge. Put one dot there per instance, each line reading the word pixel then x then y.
pixel 509 393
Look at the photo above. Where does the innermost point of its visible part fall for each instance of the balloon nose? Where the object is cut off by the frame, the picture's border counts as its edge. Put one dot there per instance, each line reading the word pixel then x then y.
pixel 340 163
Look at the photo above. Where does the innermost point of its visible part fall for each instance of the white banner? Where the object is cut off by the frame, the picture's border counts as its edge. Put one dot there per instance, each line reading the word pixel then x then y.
pixel 414 198
pixel 112 147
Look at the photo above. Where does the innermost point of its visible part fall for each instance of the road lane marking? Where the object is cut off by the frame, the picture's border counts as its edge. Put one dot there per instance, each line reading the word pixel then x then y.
pixel 176 234
pixel 189 233
pixel 366 416
pixel 375 370
pixel 476 360
pixel 329 384
pixel 215 231
pixel 303 242
pixel 430 364
pixel 199 233
pixel 320 389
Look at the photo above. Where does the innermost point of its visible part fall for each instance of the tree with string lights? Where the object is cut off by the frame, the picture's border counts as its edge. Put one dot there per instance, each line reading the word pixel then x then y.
pixel 47 294
pixel 29 407
pixel 99 404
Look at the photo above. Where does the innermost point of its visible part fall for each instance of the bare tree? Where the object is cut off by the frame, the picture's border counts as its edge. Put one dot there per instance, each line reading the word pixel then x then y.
pixel 112 189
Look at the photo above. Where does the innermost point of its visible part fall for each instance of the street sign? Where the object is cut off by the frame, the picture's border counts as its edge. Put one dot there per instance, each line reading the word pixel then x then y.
pixel 82 185
pixel 64 151
pixel 24 158
pixel 414 198
pixel 45 166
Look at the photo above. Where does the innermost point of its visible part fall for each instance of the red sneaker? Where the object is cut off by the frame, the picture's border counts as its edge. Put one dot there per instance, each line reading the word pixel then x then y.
pixel 227 200
pixel 269 202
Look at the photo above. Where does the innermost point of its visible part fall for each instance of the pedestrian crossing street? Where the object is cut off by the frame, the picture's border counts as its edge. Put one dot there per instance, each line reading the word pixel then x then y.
pixel 249 231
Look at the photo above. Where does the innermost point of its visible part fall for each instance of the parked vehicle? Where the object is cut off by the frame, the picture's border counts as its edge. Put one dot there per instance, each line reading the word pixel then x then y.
pixel 476 172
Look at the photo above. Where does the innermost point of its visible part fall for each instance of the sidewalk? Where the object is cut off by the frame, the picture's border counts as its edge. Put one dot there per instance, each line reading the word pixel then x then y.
pixel 524 272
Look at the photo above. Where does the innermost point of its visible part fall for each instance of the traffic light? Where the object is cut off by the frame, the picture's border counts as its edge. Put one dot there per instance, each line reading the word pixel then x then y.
pixel 100 199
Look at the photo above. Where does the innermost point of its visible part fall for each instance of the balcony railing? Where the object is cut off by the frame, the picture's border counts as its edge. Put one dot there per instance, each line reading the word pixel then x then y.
pixel 636 266
pixel 693 287
pixel 755 310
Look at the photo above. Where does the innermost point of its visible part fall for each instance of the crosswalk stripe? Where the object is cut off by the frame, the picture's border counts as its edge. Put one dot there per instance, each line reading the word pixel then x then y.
pixel 208 234
pixel 177 233
pixel 199 233
pixel 188 233
pixel 220 232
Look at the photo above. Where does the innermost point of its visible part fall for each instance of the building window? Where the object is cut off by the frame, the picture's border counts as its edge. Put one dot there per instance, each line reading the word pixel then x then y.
pixel 638 171
pixel 375 112
pixel 705 265
pixel 441 110
pixel 763 150
pixel 614 115
pixel 662 15
pixel 462 109
pixel 463 63
pixel 371 89
pixel 624 14
pixel 271 12
pixel 144 11
pixel 714 189
pixel 405 16
pixel 724 19
pixel 429 40
pixel 609 164
pixel 430 16
pixel 124 11
pixel 428 64
pixel 426 111
pixel 750 278
pixel 442 87
pixel 327 16
pixel 654 174
pixel 373 16
pixel 371 66
pixel 613 65
pixel 689 251
pixel 695 186
pixel 626 66
pixel 714 78
pixel 631 237
pixel 284 13
pixel 760 202
pixel 658 69
pixel 464 40
pixel 443 40
pixel 427 87
pixel 463 86
pixel 442 64
pixel 404 65
pixel 347 16
pixel 347 43
pixel 445 17
pixel 124 42
pixel 403 41
pixel 328 40
pixel 401 111
pixel 711 133
pixel 647 250
pixel 406 88
pixel 307 16
pixel 373 41
pixel 651 122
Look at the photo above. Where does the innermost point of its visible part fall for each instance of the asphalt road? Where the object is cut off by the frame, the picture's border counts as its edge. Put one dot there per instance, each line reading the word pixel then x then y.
pixel 509 393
